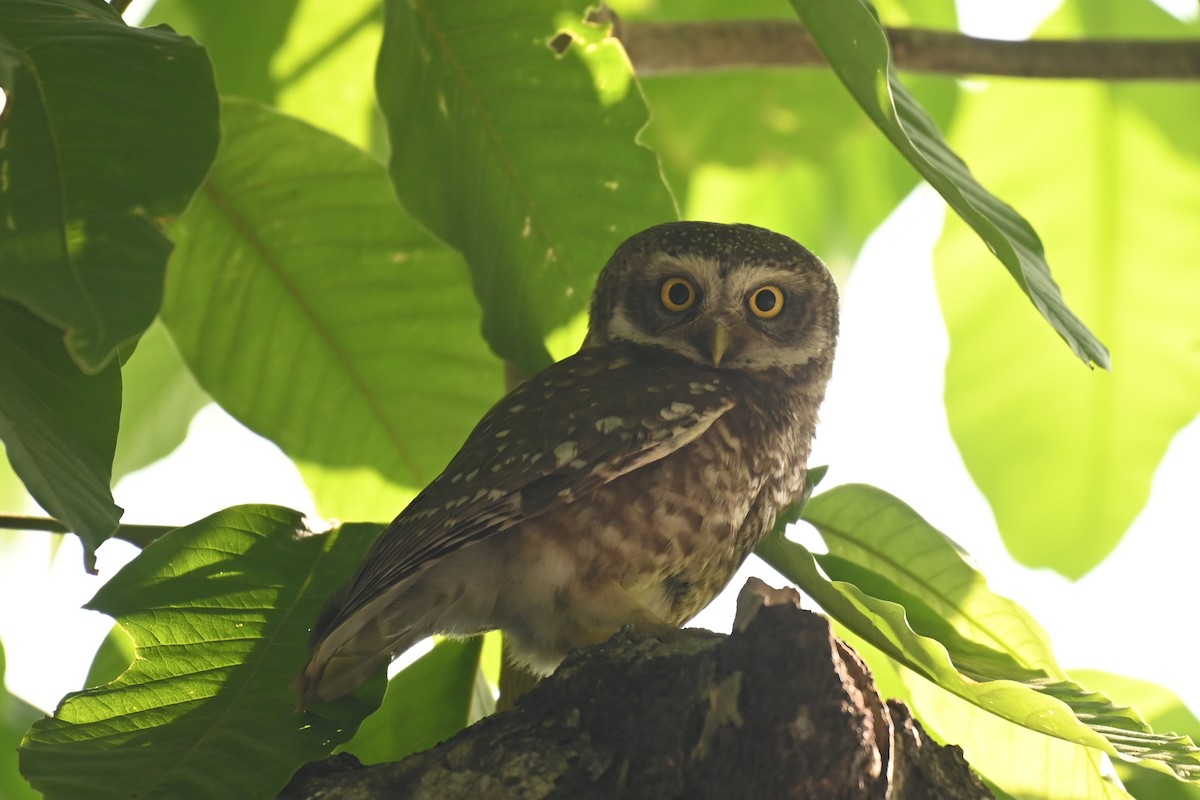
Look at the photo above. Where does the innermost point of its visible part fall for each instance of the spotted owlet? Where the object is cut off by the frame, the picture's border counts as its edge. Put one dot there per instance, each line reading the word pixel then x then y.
pixel 622 485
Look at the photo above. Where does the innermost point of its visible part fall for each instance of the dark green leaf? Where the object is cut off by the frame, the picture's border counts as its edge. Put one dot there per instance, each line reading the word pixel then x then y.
pixel 59 426
pixel 853 42
pixel 970 642
pixel 426 703
pixel 519 157
pixel 219 613
pixel 108 132
pixel 313 310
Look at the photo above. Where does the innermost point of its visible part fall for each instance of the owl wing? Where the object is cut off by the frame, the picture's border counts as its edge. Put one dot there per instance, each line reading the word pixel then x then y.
pixel 527 456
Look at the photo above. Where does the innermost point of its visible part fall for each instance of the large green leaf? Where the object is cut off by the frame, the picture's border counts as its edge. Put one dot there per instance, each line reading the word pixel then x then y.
pixel 1066 458
pixel 219 614
pixel 521 158
pixel 109 131
pixel 854 43
pixel 15 718
pixel 160 398
pixel 58 425
pixel 426 703
pixel 1160 101
pixel 313 310
pixel 910 592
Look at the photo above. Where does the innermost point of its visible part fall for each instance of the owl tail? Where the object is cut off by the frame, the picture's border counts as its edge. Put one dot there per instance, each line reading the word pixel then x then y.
pixel 348 651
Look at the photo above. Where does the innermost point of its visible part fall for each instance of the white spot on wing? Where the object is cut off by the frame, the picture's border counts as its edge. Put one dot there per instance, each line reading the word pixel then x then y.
pixel 565 452
pixel 676 411
pixel 608 424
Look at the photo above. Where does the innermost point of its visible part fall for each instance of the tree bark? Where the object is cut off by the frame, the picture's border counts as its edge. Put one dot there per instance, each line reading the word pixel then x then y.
pixel 779 709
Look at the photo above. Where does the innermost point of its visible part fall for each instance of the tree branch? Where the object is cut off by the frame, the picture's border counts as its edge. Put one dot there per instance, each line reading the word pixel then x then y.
pixel 780 708
pixel 668 48
pixel 141 535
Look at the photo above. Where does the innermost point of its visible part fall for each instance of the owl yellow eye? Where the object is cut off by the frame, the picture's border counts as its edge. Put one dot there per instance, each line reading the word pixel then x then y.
pixel 677 294
pixel 767 302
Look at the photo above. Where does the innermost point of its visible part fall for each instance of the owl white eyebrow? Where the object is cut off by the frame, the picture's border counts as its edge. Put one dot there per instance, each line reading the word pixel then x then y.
pixel 752 276
pixel 620 327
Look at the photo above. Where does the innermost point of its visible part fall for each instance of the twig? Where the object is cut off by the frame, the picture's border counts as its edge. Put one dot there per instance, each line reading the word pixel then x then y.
pixel 666 48
pixel 141 535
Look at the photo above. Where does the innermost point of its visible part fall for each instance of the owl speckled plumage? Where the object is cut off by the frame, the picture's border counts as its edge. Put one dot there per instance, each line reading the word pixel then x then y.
pixel 622 485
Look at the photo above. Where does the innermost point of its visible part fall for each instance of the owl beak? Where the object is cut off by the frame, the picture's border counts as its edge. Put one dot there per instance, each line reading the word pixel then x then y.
pixel 719 343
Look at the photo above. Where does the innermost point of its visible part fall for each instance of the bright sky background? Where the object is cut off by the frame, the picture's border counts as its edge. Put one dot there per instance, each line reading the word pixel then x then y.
pixel 883 423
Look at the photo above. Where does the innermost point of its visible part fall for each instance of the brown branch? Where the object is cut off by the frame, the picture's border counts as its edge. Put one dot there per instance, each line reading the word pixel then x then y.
pixel 780 708
pixel 662 48
pixel 141 535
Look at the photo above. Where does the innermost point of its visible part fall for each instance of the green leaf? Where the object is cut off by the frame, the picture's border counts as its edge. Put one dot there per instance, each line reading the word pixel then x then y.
pixel 974 644
pixel 15 718
pixel 779 147
pixel 1160 101
pixel 14 499
pixel 314 311
pixel 160 398
pixel 1023 763
pixel 308 58
pixel 426 703
pixel 113 657
pixel 219 614
pixel 241 38
pixel 108 132
pixel 58 425
pixel 868 528
pixel 853 42
pixel 524 160
pixel 330 52
pixel 1165 712
pixel 1066 458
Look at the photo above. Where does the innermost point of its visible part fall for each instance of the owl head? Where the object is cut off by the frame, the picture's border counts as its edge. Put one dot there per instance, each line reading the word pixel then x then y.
pixel 734 297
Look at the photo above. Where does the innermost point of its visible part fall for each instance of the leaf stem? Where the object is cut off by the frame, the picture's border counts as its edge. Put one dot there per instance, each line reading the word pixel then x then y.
pixel 668 48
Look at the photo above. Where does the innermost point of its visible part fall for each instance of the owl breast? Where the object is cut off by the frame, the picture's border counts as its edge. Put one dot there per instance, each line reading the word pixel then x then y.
pixel 654 545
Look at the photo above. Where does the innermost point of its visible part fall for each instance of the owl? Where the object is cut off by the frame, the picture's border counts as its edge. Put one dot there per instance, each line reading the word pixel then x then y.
pixel 621 486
